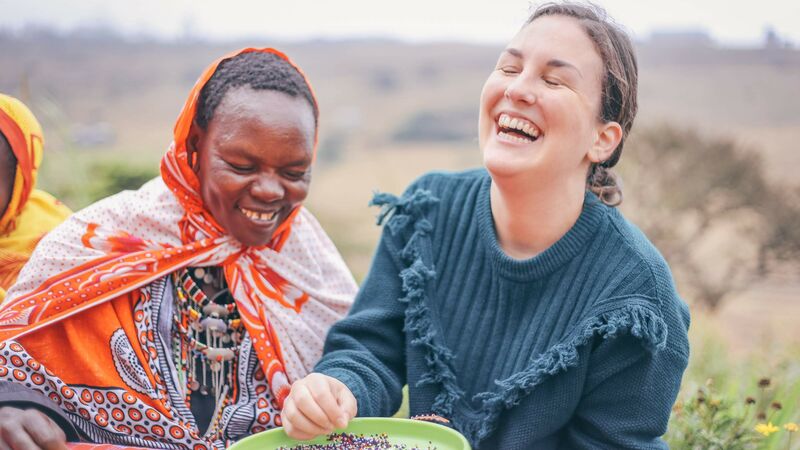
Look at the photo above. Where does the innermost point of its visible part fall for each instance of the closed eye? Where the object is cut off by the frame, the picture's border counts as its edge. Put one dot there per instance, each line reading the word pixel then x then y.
pixel 240 168
pixel 552 82
pixel 509 70
pixel 296 175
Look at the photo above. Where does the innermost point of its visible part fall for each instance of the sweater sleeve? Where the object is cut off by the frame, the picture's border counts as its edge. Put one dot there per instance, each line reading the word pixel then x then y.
pixel 628 396
pixel 366 349
pixel 18 396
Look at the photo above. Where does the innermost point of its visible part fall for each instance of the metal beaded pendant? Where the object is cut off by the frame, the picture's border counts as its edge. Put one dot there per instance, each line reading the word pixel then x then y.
pixel 210 332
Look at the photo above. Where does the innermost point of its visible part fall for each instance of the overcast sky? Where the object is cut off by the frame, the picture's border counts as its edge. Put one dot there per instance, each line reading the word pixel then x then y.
pixel 490 21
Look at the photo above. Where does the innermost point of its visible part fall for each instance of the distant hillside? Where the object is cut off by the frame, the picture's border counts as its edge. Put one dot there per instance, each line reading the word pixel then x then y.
pixel 98 90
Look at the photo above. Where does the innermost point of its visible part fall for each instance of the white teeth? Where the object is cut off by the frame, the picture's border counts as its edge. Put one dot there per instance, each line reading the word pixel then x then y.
pixel 514 138
pixel 506 121
pixel 258 216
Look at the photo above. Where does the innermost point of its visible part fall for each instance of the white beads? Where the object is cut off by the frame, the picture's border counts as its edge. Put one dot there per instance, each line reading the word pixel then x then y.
pixel 215 310
pixel 214 324
pixel 219 354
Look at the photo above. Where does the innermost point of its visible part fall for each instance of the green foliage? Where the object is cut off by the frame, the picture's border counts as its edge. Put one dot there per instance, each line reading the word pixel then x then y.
pixel 712 420
pixel 116 176
pixel 403 412
pixel 725 397
pixel 709 421
pixel 79 178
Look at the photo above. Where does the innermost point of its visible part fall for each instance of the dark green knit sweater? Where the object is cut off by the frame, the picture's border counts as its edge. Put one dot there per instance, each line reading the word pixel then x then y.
pixel 582 346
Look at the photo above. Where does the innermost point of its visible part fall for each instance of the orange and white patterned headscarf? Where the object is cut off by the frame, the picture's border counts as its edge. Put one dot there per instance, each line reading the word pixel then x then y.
pixel 288 292
pixel 30 213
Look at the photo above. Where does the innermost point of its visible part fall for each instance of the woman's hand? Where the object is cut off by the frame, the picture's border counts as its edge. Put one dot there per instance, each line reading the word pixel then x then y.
pixel 316 405
pixel 29 429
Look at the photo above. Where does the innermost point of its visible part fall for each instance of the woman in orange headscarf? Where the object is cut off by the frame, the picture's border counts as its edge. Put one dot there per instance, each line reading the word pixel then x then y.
pixel 26 213
pixel 177 316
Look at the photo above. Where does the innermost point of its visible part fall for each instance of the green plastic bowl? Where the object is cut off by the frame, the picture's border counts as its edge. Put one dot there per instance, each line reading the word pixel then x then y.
pixel 400 431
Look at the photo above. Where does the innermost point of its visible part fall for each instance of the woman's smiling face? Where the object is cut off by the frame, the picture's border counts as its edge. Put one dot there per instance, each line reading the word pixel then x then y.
pixel 539 111
pixel 254 161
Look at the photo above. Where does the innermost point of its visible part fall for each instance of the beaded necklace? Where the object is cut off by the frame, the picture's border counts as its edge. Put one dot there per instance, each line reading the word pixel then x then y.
pixel 206 335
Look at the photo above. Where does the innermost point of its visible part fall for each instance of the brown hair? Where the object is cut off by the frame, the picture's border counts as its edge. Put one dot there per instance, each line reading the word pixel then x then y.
pixel 618 101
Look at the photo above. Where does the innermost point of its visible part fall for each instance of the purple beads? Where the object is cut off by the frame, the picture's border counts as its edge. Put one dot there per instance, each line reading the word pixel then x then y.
pixel 346 441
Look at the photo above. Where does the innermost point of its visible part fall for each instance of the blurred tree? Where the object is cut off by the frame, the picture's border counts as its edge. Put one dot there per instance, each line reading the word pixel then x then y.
pixel 708 207
pixel 438 126
pixel 384 80
pixel 113 176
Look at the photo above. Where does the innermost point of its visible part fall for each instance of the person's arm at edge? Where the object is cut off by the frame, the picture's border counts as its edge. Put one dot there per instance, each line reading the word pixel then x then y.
pixel 18 396
pixel 366 349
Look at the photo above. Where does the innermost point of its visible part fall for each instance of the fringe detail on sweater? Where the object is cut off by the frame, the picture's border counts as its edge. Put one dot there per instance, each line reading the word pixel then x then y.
pixel 407 215
pixel 401 213
pixel 639 321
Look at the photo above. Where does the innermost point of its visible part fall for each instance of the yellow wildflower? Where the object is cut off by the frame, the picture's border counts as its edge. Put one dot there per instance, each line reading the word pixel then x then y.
pixel 791 427
pixel 766 428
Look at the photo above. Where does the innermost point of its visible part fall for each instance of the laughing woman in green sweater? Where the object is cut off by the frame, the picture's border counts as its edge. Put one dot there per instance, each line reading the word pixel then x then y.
pixel 516 301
